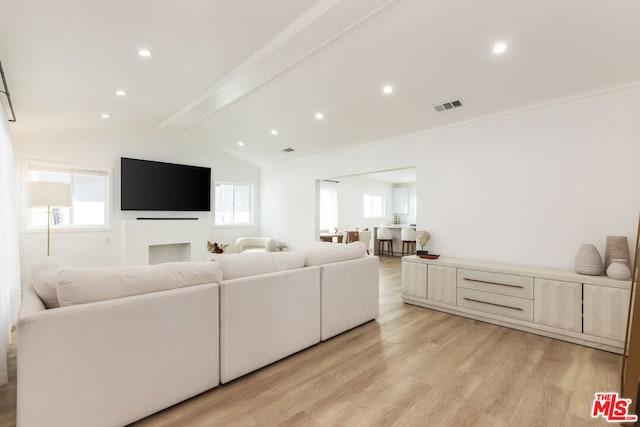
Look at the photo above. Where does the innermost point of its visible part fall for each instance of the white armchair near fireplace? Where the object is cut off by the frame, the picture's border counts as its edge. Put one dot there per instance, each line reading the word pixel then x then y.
pixel 254 244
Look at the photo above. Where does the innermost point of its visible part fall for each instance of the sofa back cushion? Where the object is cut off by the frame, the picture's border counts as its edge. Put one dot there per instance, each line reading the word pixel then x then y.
pixel 332 252
pixel 83 285
pixel 44 277
pixel 253 263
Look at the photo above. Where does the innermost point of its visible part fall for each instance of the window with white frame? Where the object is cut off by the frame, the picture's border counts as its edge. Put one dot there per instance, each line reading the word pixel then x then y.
pixel 373 206
pixel 233 204
pixel 90 196
pixel 328 215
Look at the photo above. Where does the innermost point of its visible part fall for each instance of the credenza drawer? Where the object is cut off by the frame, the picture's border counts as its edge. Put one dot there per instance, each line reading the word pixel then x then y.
pixel 498 283
pixel 502 305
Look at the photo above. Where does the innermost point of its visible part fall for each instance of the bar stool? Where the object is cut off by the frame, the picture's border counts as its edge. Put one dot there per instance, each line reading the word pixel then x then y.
pixel 408 236
pixel 385 236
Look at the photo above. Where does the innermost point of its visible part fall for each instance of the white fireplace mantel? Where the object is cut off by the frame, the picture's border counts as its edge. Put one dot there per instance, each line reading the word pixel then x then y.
pixel 140 235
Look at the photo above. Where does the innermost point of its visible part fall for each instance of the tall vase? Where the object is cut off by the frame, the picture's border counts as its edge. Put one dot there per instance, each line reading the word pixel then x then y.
pixel 589 261
pixel 618 269
pixel 617 247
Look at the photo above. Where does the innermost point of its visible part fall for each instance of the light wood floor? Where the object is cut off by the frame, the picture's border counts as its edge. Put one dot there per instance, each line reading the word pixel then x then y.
pixel 413 366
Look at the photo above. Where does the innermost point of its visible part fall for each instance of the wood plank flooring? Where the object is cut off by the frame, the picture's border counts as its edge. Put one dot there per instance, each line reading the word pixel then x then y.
pixel 411 367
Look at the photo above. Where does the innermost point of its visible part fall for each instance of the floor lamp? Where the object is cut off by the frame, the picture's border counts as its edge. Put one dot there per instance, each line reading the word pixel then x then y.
pixel 40 194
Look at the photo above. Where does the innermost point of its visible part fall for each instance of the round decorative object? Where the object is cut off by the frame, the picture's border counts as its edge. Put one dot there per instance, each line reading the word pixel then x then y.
pixel 589 261
pixel 618 269
pixel 617 247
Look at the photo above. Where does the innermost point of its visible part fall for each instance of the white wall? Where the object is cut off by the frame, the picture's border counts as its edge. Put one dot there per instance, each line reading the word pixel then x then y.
pixel 351 191
pixel 526 188
pixel 103 248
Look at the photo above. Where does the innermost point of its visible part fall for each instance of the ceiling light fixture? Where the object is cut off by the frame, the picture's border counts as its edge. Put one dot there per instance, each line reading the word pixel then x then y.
pixel 274 131
pixel 240 144
pixel 105 116
pixel 120 92
pixel 499 48
pixel 319 116
pixel 144 52
pixel 387 90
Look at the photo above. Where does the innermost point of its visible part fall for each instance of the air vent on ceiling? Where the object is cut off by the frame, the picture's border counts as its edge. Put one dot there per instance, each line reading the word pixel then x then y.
pixel 449 105
pixel 287 150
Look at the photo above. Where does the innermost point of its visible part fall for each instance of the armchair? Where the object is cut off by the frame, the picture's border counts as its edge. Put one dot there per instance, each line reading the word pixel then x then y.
pixel 254 244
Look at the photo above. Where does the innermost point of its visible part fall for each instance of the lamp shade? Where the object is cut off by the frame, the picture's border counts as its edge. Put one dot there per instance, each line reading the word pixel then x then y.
pixel 43 194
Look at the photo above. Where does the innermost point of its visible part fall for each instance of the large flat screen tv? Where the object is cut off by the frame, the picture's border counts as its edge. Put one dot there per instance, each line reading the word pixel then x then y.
pixel 146 185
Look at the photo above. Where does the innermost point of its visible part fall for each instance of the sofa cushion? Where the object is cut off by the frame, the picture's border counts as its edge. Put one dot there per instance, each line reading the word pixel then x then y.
pixel 253 263
pixel 333 252
pixel 82 285
pixel 44 277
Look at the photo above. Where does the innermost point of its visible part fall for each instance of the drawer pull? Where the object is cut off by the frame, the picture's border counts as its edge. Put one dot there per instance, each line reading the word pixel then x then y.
pixel 493 283
pixel 493 303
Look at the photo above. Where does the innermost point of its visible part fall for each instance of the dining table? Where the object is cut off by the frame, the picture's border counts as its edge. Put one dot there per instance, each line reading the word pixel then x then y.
pixel 325 237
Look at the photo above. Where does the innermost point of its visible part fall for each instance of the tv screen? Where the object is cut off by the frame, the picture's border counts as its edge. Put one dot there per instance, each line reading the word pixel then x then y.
pixel 146 185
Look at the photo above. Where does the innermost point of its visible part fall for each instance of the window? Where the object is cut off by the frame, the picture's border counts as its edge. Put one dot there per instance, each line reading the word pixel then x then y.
pixel 373 206
pixel 233 204
pixel 90 197
pixel 328 205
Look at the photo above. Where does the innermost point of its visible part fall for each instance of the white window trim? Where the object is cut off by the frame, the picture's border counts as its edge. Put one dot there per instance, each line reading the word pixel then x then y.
pixel 251 222
pixel 67 167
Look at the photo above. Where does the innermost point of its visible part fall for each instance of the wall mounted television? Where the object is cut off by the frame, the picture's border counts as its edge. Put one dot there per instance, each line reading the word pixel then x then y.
pixel 146 185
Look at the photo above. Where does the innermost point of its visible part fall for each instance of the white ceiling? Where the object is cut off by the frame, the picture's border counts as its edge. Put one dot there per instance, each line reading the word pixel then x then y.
pixel 225 71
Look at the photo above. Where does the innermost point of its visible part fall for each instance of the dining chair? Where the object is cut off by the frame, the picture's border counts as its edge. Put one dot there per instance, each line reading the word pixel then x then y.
pixel 385 236
pixel 365 237
pixel 408 237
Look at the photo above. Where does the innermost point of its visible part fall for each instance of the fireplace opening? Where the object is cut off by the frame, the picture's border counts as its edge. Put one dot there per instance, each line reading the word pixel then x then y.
pixel 169 253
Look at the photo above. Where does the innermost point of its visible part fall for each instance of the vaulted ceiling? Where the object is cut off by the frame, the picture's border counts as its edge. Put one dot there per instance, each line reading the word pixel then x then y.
pixel 229 71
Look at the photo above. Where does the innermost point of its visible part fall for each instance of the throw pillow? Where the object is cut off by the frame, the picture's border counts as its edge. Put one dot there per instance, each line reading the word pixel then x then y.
pixel 44 277
pixel 83 285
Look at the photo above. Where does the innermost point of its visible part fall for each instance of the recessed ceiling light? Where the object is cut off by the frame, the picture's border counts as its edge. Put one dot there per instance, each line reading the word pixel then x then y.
pixel 105 116
pixel 144 52
pixel 319 116
pixel 120 92
pixel 240 144
pixel 388 89
pixel 499 48
pixel 274 131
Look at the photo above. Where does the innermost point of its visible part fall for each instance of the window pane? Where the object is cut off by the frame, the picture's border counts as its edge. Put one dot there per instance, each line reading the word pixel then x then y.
pixel 37 217
pixel 377 207
pixel 367 206
pixel 328 208
pixel 89 195
pixel 242 204
pixel 373 206
pixel 224 204
pixel 233 204
pixel 89 188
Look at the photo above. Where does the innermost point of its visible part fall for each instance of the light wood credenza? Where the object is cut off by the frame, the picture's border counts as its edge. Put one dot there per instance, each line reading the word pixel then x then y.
pixel 587 310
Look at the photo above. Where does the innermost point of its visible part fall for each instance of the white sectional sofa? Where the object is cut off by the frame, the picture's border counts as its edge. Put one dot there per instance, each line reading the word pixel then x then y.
pixel 130 341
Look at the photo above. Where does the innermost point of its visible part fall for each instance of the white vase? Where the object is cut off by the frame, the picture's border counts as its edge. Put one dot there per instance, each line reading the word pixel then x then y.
pixel 589 261
pixel 618 269
pixel 617 247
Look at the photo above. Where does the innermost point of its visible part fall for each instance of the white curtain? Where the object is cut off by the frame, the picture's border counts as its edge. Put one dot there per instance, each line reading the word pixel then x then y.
pixel 9 261
pixel 328 205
